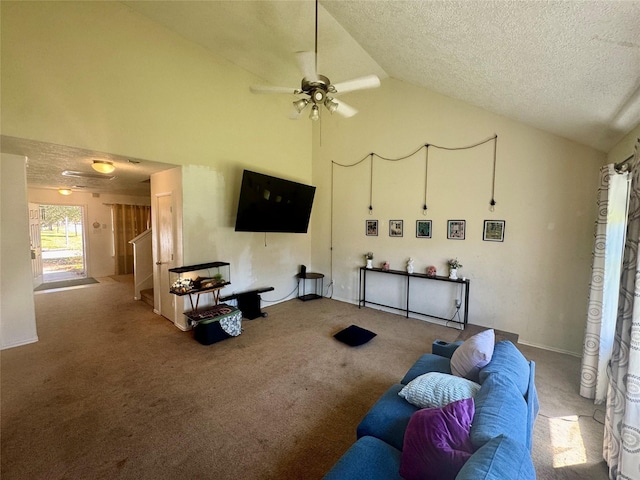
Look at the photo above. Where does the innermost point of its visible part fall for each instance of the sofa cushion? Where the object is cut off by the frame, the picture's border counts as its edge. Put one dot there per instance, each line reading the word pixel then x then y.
pixel 500 410
pixel 427 363
pixel 436 443
pixel 369 458
pixel 499 459
pixel 435 389
pixel 473 354
pixel 388 418
pixel 507 360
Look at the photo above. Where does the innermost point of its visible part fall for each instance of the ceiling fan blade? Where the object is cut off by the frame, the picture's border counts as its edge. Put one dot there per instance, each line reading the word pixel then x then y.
pixel 360 83
pixel 345 109
pixel 307 65
pixel 270 89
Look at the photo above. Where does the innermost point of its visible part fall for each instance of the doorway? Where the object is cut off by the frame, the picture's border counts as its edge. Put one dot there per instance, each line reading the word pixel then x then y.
pixel 62 229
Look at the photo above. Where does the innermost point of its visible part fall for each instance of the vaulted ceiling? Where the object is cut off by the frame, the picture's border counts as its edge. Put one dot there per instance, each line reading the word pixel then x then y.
pixel 568 67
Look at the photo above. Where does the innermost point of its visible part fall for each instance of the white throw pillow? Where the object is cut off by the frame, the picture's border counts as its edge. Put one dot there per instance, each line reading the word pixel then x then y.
pixel 473 354
pixel 435 389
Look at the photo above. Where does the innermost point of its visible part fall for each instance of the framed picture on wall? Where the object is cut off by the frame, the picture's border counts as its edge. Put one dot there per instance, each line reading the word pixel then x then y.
pixel 456 229
pixel 493 231
pixel 372 228
pixel 395 228
pixel 423 228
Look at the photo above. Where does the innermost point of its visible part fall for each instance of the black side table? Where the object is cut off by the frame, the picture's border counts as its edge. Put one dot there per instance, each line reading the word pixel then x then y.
pixel 302 279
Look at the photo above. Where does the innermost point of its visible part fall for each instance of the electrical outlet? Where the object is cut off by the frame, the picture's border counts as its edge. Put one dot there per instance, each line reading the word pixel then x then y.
pixel 457 302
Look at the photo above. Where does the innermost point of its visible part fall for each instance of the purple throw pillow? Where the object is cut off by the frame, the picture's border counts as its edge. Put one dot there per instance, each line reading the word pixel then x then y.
pixel 436 442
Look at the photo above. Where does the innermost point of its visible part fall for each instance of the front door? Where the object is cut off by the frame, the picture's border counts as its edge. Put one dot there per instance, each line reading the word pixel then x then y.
pixel 36 245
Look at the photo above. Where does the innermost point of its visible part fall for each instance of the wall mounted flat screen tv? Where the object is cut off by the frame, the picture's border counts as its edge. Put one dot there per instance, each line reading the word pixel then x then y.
pixel 271 204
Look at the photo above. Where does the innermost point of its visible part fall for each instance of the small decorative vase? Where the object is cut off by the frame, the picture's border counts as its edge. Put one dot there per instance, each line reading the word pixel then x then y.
pixel 453 273
pixel 369 263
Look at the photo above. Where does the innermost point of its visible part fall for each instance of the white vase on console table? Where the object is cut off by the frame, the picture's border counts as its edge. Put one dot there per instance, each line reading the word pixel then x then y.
pixel 410 265
pixel 453 273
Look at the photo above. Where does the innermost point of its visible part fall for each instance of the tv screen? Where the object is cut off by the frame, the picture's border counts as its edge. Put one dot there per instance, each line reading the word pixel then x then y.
pixel 271 204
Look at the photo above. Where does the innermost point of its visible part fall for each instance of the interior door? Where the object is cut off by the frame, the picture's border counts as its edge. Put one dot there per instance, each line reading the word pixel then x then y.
pixel 36 245
pixel 164 259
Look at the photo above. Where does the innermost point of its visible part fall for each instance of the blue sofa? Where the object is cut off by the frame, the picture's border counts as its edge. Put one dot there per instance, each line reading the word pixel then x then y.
pixel 505 411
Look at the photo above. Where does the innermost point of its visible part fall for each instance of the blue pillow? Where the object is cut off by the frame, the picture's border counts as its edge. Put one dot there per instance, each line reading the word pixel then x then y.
pixel 501 458
pixel 507 360
pixel 500 410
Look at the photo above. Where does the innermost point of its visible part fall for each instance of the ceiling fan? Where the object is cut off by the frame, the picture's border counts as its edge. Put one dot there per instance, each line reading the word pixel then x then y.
pixel 317 90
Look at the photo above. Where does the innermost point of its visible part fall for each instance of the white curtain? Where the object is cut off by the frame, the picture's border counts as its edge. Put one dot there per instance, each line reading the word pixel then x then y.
pixel 613 194
pixel 622 421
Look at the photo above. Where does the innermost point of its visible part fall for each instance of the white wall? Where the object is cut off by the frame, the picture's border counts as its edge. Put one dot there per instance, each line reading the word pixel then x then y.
pixel 99 241
pixel 132 87
pixel 17 310
pixel 536 282
pixel 625 147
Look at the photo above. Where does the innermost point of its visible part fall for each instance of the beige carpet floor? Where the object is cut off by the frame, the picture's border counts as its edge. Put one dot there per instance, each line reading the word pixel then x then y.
pixel 113 391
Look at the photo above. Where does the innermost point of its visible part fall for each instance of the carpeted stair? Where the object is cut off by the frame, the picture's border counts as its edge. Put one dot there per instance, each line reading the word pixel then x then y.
pixel 147 296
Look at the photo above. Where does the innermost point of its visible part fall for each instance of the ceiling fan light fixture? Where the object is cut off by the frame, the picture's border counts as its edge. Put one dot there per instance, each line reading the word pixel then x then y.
pixel 300 105
pixel 331 104
pixel 315 114
pixel 103 166
pixel 318 95
pixel 65 191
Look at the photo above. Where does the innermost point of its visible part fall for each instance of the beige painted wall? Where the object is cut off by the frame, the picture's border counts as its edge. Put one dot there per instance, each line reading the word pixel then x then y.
pixel 131 87
pixel 17 310
pixel 534 284
pixel 99 241
pixel 625 147
pixel 100 76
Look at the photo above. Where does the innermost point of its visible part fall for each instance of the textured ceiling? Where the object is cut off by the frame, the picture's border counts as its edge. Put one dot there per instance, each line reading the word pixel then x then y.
pixel 568 67
pixel 571 68
pixel 47 161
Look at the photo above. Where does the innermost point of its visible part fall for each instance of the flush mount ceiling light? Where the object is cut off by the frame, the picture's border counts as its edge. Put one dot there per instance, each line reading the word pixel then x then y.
pixel 65 191
pixel 102 166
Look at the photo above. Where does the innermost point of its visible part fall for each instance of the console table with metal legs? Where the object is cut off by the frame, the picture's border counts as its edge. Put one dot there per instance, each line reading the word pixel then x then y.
pixel 412 277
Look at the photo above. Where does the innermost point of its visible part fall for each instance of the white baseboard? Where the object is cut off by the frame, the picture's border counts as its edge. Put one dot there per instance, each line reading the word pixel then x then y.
pixel 20 343
pixel 157 312
pixel 551 349
pixel 180 327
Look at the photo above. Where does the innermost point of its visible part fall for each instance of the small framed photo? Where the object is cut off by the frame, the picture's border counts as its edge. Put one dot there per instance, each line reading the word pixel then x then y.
pixel 493 231
pixel 395 228
pixel 372 228
pixel 423 228
pixel 456 229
